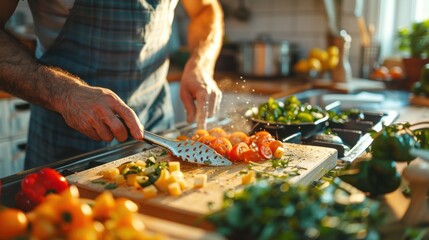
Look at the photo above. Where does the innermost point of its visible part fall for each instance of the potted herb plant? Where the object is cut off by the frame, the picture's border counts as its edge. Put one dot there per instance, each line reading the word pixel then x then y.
pixel 414 40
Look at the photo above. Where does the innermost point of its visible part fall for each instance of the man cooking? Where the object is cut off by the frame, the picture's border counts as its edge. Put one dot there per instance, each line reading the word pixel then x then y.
pixel 98 61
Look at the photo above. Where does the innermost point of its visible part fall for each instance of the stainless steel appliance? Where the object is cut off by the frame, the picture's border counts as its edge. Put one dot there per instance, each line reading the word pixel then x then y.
pixel 265 57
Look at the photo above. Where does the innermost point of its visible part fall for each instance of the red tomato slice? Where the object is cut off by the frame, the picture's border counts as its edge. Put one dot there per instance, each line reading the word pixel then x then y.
pixel 207 139
pixel 238 137
pixel 264 139
pixel 260 137
pixel 263 134
pixel 224 141
pixel 277 149
pixel 264 150
pixel 252 141
pixel 182 138
pixel 275 144
pixel 220 148
pixel 217 132
pixel 199 133
pixel 251 156
pixel 236 153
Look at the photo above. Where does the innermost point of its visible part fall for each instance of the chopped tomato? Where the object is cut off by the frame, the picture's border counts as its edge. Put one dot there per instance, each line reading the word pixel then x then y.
pixel 280 151
pixel 217 132
pixel 207 139
pixel 224 141
pixel 238 137
pixel 260 137
pixel 277 149
pixel 264 150
pixel 236 153
pixel 182 138
pixel 252 141
pixel 251 156
pixel 263 134
pixel 275 144
pixel 220 148
pixel 264 139
pixel 199 133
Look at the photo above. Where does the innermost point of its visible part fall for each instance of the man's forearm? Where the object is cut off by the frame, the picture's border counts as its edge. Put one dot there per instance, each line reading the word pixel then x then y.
pixel 23 76
pixel 205 34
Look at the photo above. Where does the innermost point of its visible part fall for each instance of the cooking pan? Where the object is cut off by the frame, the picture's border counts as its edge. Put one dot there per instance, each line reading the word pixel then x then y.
pixel 283 130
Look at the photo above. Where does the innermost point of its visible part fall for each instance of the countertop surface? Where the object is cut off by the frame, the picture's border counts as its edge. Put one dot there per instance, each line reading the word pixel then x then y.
pixel 396 201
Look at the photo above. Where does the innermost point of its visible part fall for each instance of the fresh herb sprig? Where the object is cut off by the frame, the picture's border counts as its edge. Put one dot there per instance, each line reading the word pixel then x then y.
pixel 278 210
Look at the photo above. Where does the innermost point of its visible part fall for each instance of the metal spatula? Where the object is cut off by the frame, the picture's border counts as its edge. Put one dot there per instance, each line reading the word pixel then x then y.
pixel 188 150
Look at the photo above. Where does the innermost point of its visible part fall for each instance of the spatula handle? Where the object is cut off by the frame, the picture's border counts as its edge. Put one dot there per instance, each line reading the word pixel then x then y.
pixel 158 140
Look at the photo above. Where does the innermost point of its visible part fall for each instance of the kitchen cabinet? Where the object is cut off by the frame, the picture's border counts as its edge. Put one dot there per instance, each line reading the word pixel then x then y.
pixel 14 122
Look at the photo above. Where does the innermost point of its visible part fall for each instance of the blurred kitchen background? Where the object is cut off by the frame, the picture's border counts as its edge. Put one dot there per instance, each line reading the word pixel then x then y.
pixel 304 23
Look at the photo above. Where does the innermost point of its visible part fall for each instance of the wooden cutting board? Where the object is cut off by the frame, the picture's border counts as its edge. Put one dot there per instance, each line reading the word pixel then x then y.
pixel 177 231
pixel 312 161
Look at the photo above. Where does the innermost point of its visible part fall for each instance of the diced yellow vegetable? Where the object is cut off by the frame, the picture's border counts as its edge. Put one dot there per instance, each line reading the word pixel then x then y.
pixel 141 180
pixel 119 179
pixel 110 173
pixel 200 180
pixel 177 174
pixel 165 175
pixel 131 179
pixel 248 178
pixel 183 183
pixel 141 163
pixel 163 180
pixel 174 189
pixel 103 205
pixel 150 191
pixel 174 166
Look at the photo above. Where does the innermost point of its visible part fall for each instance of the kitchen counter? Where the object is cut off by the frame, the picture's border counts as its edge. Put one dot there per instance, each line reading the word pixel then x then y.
pixel 395 201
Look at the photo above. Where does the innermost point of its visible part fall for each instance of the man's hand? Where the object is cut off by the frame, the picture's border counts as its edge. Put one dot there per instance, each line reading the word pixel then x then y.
pixel 95 111
pixel 90 110
pixel 205 34
pixel 198 84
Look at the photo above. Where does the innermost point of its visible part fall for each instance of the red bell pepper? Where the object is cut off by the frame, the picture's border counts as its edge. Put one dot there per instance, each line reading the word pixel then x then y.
pixel 23 202
pixel 36 186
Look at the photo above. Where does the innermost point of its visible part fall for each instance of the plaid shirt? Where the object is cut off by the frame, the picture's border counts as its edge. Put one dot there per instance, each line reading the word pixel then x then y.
pixel 120 45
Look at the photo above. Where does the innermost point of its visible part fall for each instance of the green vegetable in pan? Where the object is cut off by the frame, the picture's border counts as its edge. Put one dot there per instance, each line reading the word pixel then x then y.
pixel 291 110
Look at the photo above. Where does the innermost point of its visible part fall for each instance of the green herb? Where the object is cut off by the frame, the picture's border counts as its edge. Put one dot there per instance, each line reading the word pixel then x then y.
pixel 111 186
pixel 279 163
pixel 278 210
pixel 99 181
pixel 163 165
pixel 151 160
pixel 163 152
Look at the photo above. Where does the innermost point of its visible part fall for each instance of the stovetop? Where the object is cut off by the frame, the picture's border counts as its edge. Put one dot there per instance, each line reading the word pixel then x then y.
pixel 376 110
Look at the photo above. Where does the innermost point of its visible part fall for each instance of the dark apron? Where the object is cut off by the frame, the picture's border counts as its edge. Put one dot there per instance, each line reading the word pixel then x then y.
pixel 120 45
